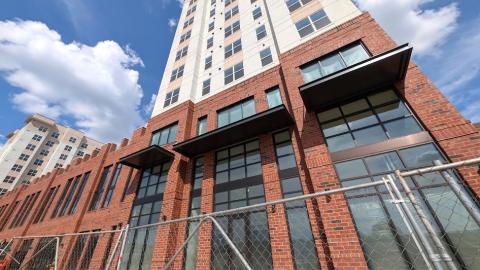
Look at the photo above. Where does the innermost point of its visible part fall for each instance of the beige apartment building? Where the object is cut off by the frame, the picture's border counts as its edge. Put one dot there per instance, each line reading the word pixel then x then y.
pixel 39 147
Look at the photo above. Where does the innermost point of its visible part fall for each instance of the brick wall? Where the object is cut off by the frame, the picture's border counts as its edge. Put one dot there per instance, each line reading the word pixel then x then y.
pixel 336 239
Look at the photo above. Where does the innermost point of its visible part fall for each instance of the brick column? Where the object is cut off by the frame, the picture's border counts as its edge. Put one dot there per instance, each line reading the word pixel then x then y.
pixel 277 222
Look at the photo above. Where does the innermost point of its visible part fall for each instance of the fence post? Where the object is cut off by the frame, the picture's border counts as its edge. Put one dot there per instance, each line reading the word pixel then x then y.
pixel 122 249
pixel 110 258
pixel 230 243
pixel 461 194
pixel 409 222
pixel 429 227
pixel 57 250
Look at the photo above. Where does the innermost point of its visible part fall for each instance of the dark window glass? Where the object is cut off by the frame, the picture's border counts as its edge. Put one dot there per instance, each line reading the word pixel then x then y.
pixel 202 125
pixel 165 135
pixel 111 187
pixel 100 188
pixel 69 197
pixel 75 255
pixel 90 249
pixel 234 189
pixel 62 197
pixel 236 112
pixel 366 121
pixel 81 188
pixel 378 222
pixel 333 62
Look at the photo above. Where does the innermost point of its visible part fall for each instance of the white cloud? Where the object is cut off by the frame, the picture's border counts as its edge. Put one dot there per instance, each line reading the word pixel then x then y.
pixel 95 86
pixel 408 21
pixel 172 23
pixel 148 108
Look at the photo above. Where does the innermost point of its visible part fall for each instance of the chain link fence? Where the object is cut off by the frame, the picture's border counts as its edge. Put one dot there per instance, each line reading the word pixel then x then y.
pixel 423 219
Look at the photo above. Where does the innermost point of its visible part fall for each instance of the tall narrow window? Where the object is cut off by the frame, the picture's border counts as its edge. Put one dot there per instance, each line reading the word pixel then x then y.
pixel 208 62
pixel 62 198
pixel 202 125
pixel 195 205
pixel 257 13
pixel 209 42
pixel 261 32
pixel 206 87
pixel 79 193
pixel 146 210
pixel 239 182
pixel 69 197
pixel 266 56
pixel 75 255
pixel 90 250
pixel 127 184
pixel 45 204
pixel 111 187
pixel 300 231
pixel 100 188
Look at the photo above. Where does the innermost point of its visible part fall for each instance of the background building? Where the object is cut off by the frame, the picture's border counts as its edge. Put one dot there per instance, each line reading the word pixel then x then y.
pixel 316 97
pixel 39 147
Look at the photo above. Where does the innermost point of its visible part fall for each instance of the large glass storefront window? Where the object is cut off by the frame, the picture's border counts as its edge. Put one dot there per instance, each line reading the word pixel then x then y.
pixel 301 237
pixel 146 210
pixel 385 240
pixel 378 117
pixel 239 182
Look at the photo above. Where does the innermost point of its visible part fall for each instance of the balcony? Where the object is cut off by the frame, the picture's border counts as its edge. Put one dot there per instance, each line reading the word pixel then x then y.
pixel 375 72
pixel 266 121
pixel 148 157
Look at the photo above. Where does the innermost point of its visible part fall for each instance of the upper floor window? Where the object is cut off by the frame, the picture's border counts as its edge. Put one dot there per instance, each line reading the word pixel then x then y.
pixel 42 129
pixel 212 2
pixel 153 181
pixel 191 10
pixel 17 168
pixel 55 135
pixel 177 73
pixel 181 53
pixel 44 152
pixel 273 97
pixel 30 147
pixel 171 97
pixel 72 140
pixel 3 191
pixel 188 22
pixel 80 153
pixel 376 118
pixel 266 56
pixel 236 112
pixel 230 13
pixel 165 135
pixel 334 62
pixel 233 73
pixel 84 145
pixel 68 148
pixel 234 27
pixel 49 143
pixel 228 2
pixel 9 179
pixel 211 26
pixel 212 12
pixel 208 62
pixel 24 157
pixel 261 32
pixel 257 13
pixel 296 4
pixel 202 125
pixel 63 157
pixel 185 36
pixel 38 162
pixel 315 21
pixel 37 138
pixel 233 48
pixel 209 42
pixel 32 172
pixel 206 87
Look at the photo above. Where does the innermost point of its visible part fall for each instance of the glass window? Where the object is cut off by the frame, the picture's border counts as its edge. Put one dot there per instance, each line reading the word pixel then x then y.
pixel 359 122
pixel 202 125
pixel 315 21
pixel 206 87
pixel 257 13
pixel 266 56
pixel 333 62
pixel 236 112
pixel 165 135
pixel 273 98
pixel 261 32
pixel 378 222
pixel 171 97
pixel 235 191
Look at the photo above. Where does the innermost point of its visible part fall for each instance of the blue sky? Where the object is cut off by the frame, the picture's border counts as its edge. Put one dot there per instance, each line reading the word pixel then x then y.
pixel 95 64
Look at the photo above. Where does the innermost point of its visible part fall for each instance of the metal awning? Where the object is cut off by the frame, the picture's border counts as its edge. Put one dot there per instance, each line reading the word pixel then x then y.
pixel 266 121
pixel 148 157
pixel 381 70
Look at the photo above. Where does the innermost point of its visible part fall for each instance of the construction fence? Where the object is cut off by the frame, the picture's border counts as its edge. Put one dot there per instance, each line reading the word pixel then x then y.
pixel 421 219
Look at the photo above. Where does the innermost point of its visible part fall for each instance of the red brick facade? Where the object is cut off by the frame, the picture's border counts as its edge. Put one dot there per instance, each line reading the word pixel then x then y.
pixel 336 239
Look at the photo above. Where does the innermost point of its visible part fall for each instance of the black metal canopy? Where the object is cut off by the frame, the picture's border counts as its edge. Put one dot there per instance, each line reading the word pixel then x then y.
pixel 244 129
pixel 380 70
pixel 148 157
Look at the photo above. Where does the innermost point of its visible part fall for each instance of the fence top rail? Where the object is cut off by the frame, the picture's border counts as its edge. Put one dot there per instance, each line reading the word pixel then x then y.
pixel 442 167
pixel 262 205
pixel 66 234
